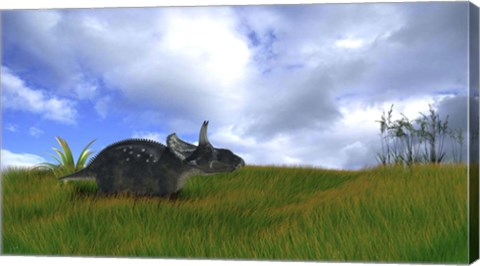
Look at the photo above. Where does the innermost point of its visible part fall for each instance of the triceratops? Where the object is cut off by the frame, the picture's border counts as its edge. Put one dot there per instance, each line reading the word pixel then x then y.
pixel 149 168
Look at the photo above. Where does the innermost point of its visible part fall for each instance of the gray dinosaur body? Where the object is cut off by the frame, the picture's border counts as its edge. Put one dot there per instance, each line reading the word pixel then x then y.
pixel 145 167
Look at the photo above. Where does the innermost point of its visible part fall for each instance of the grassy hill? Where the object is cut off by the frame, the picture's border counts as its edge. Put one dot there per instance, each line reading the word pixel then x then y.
pixel 272 213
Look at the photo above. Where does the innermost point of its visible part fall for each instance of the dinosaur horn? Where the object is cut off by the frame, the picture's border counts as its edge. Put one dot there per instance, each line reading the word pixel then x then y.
pixel 203 139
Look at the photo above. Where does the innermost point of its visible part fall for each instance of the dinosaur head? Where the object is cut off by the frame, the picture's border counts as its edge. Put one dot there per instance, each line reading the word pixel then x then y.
pixel 204 157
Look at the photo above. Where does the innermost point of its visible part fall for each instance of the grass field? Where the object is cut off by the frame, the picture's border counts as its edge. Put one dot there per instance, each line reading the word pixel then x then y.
pixel 272 213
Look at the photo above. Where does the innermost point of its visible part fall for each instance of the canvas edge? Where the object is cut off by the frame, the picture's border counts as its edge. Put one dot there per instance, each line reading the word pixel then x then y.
pixel 473 131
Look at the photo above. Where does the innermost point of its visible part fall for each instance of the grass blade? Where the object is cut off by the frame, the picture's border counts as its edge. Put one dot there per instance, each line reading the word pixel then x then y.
pixel 67 152
pixel 82 158
pixel 61 156
pixel 55 158
pixel 48 166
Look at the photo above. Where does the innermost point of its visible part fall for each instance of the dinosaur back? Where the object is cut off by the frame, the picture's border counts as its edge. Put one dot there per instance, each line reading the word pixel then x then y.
pixel 130 150
pixel 138 166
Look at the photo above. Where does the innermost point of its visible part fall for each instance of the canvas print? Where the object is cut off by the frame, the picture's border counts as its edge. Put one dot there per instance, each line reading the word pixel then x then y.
pixel 302 132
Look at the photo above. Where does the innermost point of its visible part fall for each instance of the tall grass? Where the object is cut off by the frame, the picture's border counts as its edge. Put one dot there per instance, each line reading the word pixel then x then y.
pixel 384 214
pixel 418 141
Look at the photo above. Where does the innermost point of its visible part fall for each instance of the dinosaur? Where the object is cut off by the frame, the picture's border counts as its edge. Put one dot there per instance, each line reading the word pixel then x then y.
pixel 148 168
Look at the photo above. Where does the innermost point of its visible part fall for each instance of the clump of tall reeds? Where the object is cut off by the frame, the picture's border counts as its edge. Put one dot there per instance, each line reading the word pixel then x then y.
pixel 422 140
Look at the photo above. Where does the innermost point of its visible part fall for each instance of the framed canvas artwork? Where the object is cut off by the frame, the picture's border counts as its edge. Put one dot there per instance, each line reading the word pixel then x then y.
pixel 276 132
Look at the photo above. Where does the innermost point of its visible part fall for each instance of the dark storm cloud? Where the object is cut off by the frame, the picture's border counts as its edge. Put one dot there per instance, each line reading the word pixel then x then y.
pixel 424 54
pixel 302 99
pixel 294 106
pixel 456 108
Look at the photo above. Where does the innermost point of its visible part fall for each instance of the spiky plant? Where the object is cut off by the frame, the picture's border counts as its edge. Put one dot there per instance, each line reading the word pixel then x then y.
pixel 66 163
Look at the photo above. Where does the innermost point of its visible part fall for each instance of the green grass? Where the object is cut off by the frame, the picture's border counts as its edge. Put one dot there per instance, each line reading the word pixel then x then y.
pixel 271 213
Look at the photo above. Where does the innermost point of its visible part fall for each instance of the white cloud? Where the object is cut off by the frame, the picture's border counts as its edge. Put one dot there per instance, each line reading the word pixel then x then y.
pixel 189 62
pixel 84 90
pixel 209 43
pixel 10 159
pixel 102 105
pixel 11 127
pixel 298 148
pixel 18 96
pixel 349 43
pixel 149 135
pixel 194 64
pixel 35 132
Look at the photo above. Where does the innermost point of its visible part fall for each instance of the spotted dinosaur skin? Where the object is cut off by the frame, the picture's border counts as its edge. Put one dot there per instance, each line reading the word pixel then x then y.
pixel 149 168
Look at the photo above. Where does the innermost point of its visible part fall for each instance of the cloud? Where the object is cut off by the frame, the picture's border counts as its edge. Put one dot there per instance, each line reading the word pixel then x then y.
pixel 35 132
pixel 52 62
pixel 349 43
pixel 456 108
pixel 149 135
pixel 101 106
pixel 194 69
pixel 409 60
pixel 10 159
pixel 391 65
pixel 20 97
pixel 85 90
pixel 104 54
pixel 302 85
pixel 302 99
pixel 350 142
pixel 11 127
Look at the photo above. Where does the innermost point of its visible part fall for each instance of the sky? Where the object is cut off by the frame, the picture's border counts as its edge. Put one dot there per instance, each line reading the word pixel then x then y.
pixel 280 84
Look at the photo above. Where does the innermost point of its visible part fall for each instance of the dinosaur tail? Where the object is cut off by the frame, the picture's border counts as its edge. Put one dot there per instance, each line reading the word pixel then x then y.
pixel 83 174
